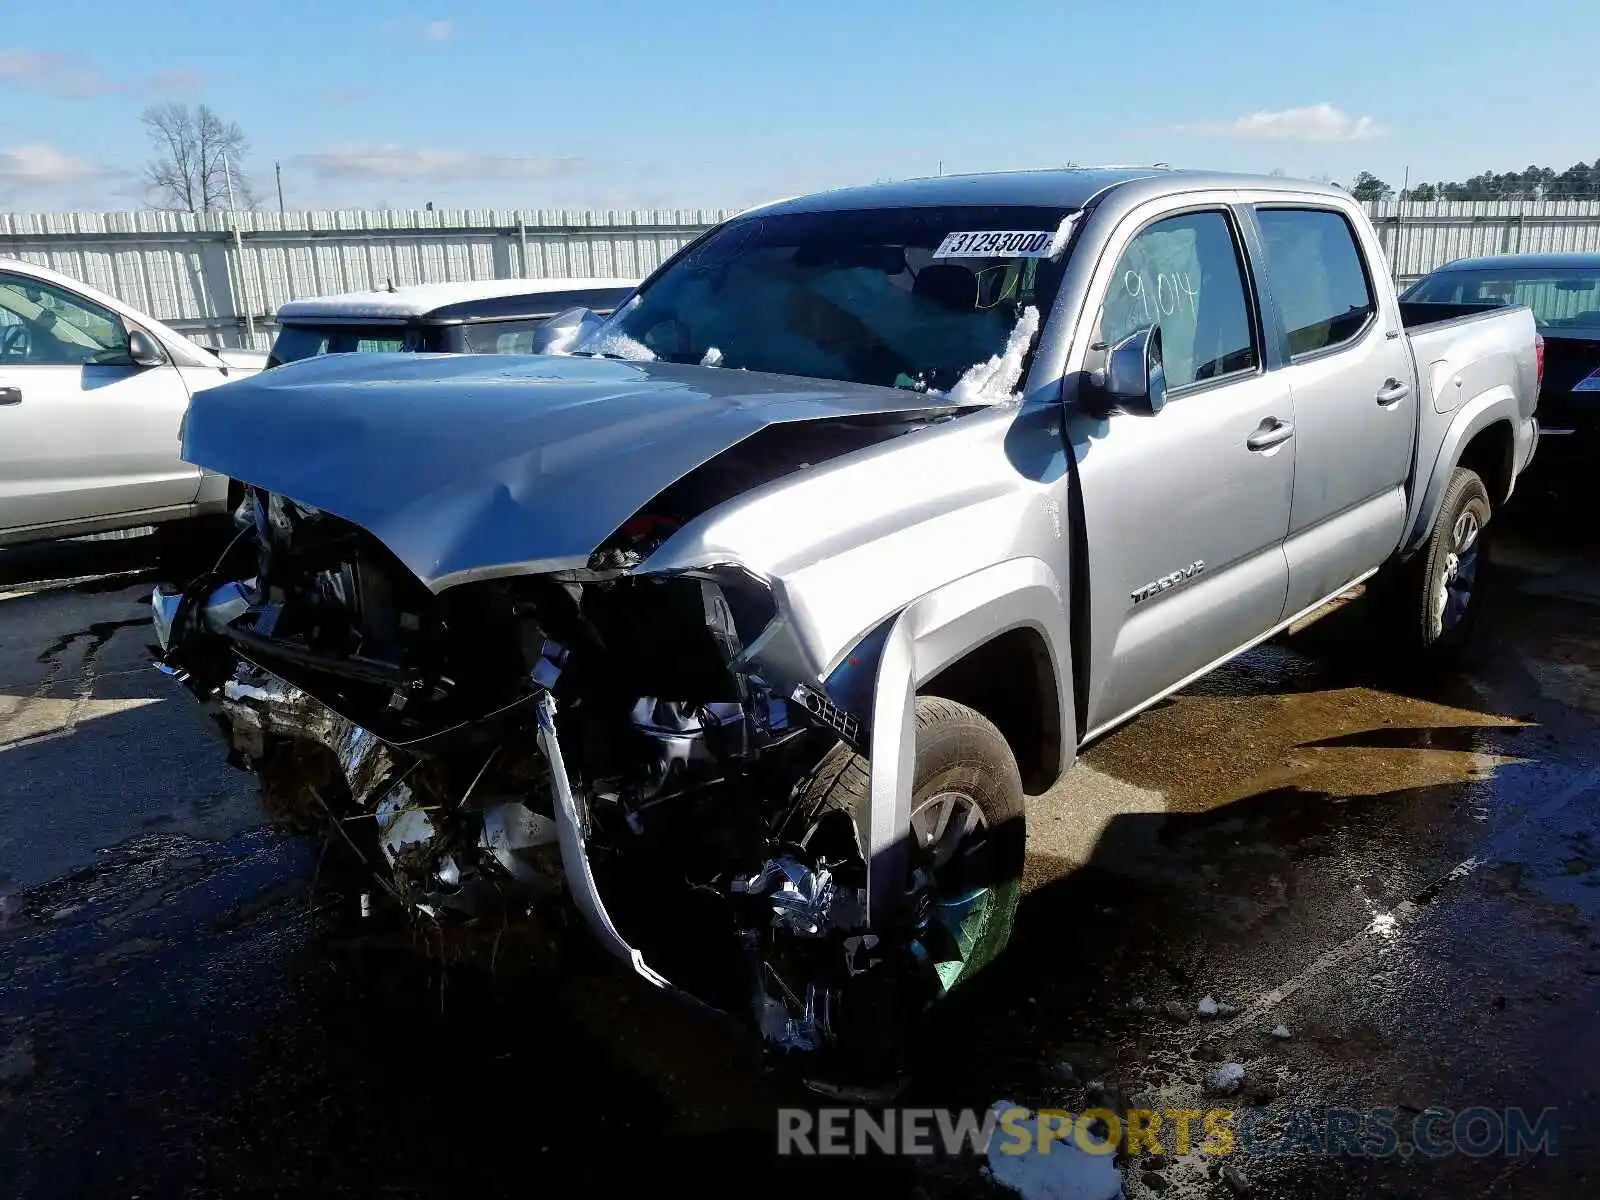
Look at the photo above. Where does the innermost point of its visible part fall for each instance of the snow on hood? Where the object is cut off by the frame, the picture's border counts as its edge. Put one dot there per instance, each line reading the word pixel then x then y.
pixel 474 466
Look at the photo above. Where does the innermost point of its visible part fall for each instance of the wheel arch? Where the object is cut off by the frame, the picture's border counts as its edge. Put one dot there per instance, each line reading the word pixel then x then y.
pixel 1016 608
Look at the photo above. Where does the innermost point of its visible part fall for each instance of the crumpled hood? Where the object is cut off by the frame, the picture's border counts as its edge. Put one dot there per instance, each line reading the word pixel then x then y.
pixel 470 466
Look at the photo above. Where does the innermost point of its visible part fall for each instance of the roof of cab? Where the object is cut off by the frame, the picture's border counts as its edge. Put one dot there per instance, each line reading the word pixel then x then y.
pixel 1064 188
pixel 453 301
pixel 1536 262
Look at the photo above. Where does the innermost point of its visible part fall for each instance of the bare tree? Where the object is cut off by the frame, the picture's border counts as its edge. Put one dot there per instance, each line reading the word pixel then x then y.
pixel 196 152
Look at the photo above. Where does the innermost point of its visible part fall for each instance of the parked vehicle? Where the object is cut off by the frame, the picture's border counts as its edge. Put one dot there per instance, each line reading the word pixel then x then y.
pixel 490 316
pixel 763 612
pixel 1563 290
pixel 92 394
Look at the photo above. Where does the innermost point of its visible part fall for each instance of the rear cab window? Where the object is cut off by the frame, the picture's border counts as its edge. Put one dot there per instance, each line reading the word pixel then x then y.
pixel 297 341
pixel 1319 277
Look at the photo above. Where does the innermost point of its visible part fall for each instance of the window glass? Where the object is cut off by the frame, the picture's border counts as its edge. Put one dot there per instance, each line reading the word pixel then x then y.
pixel 903 297
pixel 1561 297
pixel 1317 277
pixel 295 342
pixel 1184 274
pixel 500 337
pixel 43 325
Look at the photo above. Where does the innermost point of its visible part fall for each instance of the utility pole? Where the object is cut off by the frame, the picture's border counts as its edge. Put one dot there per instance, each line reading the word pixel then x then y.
pixel 277 169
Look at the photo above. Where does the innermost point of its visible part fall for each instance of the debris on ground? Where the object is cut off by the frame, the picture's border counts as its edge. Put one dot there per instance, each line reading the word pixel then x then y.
pixel 1236 1180
pixel 17 1060
pixel 1177 1011
pixel 1281 1032
pixel 1226 1079
pixel 1063 1171
pixel 1208 1006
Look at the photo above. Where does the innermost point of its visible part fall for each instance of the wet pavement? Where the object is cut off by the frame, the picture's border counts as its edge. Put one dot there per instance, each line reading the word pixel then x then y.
pixel 1403 875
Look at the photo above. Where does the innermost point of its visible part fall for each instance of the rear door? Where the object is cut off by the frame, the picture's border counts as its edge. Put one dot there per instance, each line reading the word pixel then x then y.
pixel 1355 407
pixel 1185 511
pixel 84 433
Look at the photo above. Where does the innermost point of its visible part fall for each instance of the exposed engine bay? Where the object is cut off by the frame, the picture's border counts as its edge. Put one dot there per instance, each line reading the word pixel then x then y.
pixel 597 737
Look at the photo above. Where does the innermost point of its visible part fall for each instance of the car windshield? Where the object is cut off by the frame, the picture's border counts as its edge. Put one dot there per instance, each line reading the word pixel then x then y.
pixel 1561 297
pixel 295 342
pixel 920 298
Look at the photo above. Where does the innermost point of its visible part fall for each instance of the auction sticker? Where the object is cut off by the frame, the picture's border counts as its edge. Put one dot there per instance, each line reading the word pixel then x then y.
pixel 1000 243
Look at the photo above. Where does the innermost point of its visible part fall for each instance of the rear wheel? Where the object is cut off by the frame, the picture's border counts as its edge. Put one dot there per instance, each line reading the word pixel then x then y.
pixel 1435 597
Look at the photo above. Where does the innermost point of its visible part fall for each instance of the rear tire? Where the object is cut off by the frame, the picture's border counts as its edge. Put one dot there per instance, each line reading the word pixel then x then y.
pixel 1434 598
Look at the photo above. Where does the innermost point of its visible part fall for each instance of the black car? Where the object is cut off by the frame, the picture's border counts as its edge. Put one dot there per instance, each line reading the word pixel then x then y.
pixel 493 316
pixel 1563 290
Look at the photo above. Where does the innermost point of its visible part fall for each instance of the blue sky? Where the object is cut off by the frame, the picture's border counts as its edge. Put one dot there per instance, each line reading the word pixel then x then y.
pixel 532 103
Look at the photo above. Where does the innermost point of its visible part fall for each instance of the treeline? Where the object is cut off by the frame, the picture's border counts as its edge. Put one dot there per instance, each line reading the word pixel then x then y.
pixel 1581 180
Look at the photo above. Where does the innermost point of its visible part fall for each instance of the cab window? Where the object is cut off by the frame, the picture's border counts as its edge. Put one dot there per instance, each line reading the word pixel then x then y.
pixel 1184 274
pixel 1318 278
pixel 43 325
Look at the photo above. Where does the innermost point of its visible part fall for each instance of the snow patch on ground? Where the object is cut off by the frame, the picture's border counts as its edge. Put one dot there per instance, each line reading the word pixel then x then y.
pixel 1226 1079
pixel 1062 1172
pixel 999 378
pixel 713 357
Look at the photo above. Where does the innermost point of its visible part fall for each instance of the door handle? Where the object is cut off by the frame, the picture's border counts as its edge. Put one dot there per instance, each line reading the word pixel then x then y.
pixel 1392 392
pixel 1271 432
pixel 10 395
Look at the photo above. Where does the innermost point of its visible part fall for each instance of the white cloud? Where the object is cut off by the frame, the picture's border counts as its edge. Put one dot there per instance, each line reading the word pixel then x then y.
pixel 65 75
pixel 41 166
pixel 1312 123
pixel 438 31
pixel 372 164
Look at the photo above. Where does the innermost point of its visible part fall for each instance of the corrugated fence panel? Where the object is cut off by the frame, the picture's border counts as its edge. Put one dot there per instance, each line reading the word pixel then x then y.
pixel 223 276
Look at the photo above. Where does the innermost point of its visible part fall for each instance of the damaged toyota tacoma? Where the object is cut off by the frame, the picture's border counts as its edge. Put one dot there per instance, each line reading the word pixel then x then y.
pixel 744 628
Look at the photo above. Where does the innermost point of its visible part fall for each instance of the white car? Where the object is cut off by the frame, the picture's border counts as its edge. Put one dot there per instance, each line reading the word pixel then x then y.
pixel 92 397
pixel 486 316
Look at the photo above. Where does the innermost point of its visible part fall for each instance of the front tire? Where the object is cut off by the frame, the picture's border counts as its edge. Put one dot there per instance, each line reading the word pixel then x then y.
pixel 967 827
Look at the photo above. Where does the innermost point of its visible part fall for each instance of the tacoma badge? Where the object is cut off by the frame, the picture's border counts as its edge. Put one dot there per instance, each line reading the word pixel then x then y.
pixel 1167 582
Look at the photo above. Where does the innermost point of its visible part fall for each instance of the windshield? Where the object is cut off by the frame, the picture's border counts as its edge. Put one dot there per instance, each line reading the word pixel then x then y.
pixel 1561 297
pixel 912 298
pixel 295 342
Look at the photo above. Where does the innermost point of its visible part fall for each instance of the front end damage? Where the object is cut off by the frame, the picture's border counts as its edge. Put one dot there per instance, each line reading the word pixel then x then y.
pixel 600 739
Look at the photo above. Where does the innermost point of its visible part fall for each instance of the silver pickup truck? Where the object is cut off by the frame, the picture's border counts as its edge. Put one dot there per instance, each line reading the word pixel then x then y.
pixel 748 627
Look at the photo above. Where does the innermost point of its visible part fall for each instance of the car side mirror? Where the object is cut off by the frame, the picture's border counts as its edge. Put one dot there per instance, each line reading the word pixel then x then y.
pixel 144 350
pixel 564 332
pixel 1135 380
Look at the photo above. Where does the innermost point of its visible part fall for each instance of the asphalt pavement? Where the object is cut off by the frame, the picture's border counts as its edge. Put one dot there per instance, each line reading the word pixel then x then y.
pixel 1366 890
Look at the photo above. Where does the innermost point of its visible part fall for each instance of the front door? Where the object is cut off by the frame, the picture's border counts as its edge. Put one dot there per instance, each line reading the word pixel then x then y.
pixel 1184 511
pixel 84 433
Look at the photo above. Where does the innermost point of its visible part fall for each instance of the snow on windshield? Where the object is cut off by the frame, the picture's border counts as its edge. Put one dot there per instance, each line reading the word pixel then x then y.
pixel 1000 377
pixel 613 343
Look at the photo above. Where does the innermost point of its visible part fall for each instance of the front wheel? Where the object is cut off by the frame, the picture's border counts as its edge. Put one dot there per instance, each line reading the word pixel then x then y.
pixel 966 842
pixel 1436 596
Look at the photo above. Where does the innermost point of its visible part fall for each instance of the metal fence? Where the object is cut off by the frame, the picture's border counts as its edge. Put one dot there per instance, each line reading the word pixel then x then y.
pixel 222 277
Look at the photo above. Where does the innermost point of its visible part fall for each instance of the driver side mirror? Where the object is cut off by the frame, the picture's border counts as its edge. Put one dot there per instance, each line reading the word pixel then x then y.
pixel 565 331
pixel 144 350
pixel 1135 380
